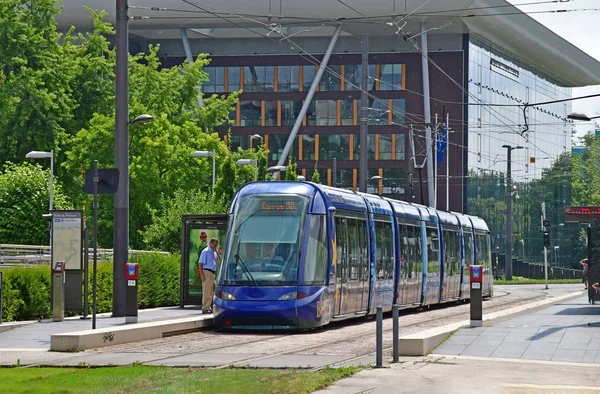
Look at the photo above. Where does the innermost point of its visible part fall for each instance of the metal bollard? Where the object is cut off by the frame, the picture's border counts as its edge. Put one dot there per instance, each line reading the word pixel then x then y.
pixel 379 356
pixel 395 332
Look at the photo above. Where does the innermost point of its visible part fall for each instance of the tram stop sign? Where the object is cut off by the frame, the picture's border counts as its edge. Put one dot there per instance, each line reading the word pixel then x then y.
pixel 131 272
pixel 108 181
pixel 476 273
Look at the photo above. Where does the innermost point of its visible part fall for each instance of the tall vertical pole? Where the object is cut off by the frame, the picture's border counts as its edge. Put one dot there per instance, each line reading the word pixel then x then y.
pixel 95 259
pixel 508 216
pixel 363 164
pixel 427 113
pixel 379 338
pixel 121 215
pixel 447 162
pixel 214 155
pixel 51 180
pixel 395 329
pixel 188 53
pixel 86 273
pixel 435 167
pixel 334 173
pixel 309 97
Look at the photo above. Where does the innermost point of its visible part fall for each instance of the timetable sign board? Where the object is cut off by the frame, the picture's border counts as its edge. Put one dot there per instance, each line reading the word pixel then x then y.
pixel 582 214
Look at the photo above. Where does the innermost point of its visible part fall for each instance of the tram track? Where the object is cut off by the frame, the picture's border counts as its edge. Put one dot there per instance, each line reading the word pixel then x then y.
pixel 352 338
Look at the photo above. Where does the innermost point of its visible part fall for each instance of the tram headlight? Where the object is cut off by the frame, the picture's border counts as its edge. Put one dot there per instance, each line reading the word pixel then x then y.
pixel 227 296
pixel 288 296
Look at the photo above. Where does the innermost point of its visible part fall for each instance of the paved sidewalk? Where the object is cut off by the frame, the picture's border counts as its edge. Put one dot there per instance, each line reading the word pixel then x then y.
pixel 568 331
pixel 36 336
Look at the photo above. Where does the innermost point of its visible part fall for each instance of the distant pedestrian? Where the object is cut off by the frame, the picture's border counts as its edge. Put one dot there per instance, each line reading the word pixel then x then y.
pixel 584 264
pixel 207 265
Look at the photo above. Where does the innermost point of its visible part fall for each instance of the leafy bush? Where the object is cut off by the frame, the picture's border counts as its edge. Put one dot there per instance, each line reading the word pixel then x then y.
pixel 24 198
pixel 26 290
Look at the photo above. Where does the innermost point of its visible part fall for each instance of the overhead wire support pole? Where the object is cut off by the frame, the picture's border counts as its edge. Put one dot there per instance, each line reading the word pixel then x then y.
pixel 188 53
pixel 309 96
pixel 363 164
pixel 427 112
pixel 435 168
pixel 121 211
pixel 447 161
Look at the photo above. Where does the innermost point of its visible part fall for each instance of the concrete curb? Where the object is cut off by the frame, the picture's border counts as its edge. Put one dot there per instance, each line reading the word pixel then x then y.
pixel 424 342
pixel 93 339
pixel 15 324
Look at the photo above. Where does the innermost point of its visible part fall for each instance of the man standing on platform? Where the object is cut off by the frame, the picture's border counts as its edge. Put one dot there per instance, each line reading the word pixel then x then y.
pixel 207 264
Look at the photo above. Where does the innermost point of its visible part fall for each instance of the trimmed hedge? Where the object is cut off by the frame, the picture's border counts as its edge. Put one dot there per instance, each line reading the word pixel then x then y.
pixel 26 290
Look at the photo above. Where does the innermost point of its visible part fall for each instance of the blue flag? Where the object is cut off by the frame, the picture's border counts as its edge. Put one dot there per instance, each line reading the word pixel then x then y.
pixel 441 145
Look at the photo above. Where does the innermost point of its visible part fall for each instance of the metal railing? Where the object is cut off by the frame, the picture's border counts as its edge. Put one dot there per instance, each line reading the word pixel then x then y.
pixel 11 254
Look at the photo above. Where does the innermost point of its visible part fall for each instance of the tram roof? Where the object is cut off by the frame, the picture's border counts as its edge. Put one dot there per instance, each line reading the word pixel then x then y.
pixel 464 220
pixel 447 218
pixel 404 209
pixel 427 214
pixel 377 204
pixel 343 199
pixel 478 223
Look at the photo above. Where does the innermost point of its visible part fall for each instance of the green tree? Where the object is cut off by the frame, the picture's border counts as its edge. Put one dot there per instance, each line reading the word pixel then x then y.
pixel 165 231
pixel 24 198
pixel 316 178
pixel 290 171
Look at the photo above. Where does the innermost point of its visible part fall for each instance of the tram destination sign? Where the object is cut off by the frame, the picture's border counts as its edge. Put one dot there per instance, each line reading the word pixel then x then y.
pixel 582 214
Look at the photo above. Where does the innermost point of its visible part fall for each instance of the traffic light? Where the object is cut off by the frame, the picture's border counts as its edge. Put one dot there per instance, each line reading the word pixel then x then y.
pixel 546 238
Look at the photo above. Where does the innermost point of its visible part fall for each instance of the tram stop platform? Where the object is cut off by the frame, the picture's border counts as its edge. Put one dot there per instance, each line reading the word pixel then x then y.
pixel 74 333
pixel 550 349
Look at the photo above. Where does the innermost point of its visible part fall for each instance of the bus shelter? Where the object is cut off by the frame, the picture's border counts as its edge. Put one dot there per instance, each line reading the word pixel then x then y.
pixel 591 216
pixel 197 231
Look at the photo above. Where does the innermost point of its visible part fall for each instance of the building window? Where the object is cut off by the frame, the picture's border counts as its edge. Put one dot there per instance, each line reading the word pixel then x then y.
pixel 330 81
pixel 290 109
pixel 378 113
pixel 270 113
pixel 308 75
pixel 239 141
pixel 250 113
pixel 353 73
pixel 288 78
pixel 347 112
pixel 393 181
pixel 390 77
pixel 277 143
pixel 326 112
pixel 216 80
pixel 344 178
pixel 385 147
pixel 259 78
pixel 233 79
pixel 400 147
pixel 398 111
pixel 334 146
pixel 370 147
pixel 308 147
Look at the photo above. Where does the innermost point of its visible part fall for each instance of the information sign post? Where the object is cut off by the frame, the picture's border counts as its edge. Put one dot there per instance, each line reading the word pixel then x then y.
pixel 131 296
pixel 476 275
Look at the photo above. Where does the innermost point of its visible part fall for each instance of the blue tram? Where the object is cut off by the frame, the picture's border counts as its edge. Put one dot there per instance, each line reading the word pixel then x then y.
pixel 300 255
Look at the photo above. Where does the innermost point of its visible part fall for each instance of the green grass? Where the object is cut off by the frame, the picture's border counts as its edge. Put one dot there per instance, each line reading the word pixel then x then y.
pixel 526 281
pixel 141 379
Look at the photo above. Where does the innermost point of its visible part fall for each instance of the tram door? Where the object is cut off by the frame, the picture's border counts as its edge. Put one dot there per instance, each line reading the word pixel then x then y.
pixel 352 267
pixel 342 274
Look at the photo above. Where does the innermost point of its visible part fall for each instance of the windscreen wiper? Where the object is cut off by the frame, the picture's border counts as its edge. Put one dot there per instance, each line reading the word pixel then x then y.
pixel 245 269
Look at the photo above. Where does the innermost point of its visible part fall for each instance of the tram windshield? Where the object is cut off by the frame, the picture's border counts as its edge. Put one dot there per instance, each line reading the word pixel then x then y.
pixel 266 236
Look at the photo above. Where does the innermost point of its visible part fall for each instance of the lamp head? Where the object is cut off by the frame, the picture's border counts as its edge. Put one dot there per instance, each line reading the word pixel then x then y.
pixel 35 154
pixel 144 118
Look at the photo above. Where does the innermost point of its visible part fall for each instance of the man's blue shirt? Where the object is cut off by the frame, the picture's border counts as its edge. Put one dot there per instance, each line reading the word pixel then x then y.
pixel 208 259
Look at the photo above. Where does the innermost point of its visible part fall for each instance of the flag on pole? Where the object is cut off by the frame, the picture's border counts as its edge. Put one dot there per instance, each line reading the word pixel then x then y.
pixel 441 145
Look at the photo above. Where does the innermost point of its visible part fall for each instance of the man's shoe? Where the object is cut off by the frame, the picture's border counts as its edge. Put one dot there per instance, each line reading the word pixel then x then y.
pixel 207 312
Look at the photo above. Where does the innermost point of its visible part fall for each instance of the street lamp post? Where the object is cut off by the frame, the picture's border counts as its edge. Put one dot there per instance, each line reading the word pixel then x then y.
pixel 245 162
pixel 581 116
pixel 205 153
pixel 34 154
pixel 254 137
pixel 276 169
pixel 523 249
pixel 377 178
pixel 509 229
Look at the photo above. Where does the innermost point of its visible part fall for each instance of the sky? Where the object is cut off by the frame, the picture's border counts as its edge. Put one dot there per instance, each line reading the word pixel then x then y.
pixel 580 28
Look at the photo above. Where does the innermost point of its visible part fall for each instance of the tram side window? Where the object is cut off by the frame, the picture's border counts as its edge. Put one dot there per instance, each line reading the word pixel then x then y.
pixel 482 250
pixel 364 250
pixel 468 244
pixel 418 251
pixel 315 260
pixel 433 265
pixel 385 250
pixel 342 251
pixel 404 257
pixel 353 249
pixel 451 252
